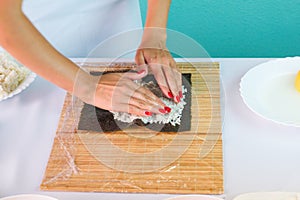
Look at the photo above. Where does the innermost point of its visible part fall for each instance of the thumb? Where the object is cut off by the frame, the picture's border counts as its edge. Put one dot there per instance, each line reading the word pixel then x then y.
pixel 139 57
pixel 133 75
pixel 141 65
pixel 142 69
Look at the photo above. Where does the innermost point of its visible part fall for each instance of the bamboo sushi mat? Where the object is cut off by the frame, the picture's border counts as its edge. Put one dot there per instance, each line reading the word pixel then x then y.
pixel 139 160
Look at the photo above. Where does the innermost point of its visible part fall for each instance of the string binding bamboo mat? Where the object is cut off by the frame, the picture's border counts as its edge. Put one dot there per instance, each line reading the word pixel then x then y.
pixel 140 160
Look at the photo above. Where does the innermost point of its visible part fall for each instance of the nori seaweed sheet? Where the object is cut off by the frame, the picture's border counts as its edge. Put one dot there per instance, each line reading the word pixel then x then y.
pixel 100 120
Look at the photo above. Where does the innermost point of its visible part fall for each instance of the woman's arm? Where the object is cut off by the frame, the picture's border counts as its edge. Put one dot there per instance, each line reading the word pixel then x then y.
pixel 157 13
pixel 153 51
pixel 21 39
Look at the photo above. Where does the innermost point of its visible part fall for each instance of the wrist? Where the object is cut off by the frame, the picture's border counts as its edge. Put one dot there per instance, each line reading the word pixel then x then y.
pixel 85 86
pixel 154 37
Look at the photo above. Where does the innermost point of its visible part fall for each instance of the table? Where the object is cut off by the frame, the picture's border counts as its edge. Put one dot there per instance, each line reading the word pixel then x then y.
pixel 259 155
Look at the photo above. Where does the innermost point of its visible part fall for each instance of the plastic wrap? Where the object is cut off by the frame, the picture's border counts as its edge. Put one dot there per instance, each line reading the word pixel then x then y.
pixel 138 159
pixel 134 160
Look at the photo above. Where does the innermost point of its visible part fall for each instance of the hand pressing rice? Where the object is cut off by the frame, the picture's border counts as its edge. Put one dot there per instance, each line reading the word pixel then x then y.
pixel 174 117
pixel 11 74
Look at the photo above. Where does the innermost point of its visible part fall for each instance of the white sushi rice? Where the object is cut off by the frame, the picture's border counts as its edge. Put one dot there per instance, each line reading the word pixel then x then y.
pixel 174 117
pixel 11 74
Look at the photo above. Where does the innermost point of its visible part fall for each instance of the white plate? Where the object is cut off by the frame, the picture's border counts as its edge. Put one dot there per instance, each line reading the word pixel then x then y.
pixel 28 197
pixel 269 90
pixel 8 60
pixel 25 83
pixel 268 196
pixel 194 197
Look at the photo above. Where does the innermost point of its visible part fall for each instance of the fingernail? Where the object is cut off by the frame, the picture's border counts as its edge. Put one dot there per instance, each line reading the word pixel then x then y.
pixel 180 94
pixel 177 99
pixel 170 95
pixel 167 109
pixel 142 71
pixel 162 111
pixel 148 113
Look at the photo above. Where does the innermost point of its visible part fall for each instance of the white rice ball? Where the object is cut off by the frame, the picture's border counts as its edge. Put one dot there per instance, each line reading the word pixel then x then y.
pixel 174 117
pixel 11 74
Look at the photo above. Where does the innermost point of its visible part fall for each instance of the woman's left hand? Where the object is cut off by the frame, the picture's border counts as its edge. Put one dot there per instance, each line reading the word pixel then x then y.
pixel 154 54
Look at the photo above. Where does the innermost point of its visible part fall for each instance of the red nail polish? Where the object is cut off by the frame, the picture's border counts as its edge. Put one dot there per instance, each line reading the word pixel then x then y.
pixel 148 113
pixel 178 99
pixel 180 94
pixel 170 95
pixel 162 111
pixel 167 109
pixel 142 71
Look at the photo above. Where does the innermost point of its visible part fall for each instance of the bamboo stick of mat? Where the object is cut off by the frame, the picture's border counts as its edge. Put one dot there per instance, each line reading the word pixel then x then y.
pixel 73 164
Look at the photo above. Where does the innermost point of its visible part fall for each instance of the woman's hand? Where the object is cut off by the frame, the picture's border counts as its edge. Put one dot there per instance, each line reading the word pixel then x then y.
pixel 153 53
pixel 118 92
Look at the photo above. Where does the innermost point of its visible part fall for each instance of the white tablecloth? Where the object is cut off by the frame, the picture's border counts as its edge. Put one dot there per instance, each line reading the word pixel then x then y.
pixel 259 155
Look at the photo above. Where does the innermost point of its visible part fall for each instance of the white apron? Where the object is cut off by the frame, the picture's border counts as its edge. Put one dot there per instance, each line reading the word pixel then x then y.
pixel 75 27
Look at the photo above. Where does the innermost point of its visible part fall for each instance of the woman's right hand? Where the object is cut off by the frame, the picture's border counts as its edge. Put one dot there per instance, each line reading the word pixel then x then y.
pixel 118 92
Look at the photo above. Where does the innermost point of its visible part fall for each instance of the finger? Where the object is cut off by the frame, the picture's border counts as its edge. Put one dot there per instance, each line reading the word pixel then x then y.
pixel 141 69
pixel 151 56
pixel 147 96
pixel 177 75
pixel 170 76
pixel 172 83
pixel 134 110
pixel 148 106
pixel 134 75
pixel 173 63
pixel 139 57
pixel 139 104
pixel 139 112
pixel 161 79
pixel 147 100
pixel 141 66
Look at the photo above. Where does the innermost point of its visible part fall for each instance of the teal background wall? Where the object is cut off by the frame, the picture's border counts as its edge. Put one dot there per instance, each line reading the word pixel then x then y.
pixel 238 28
